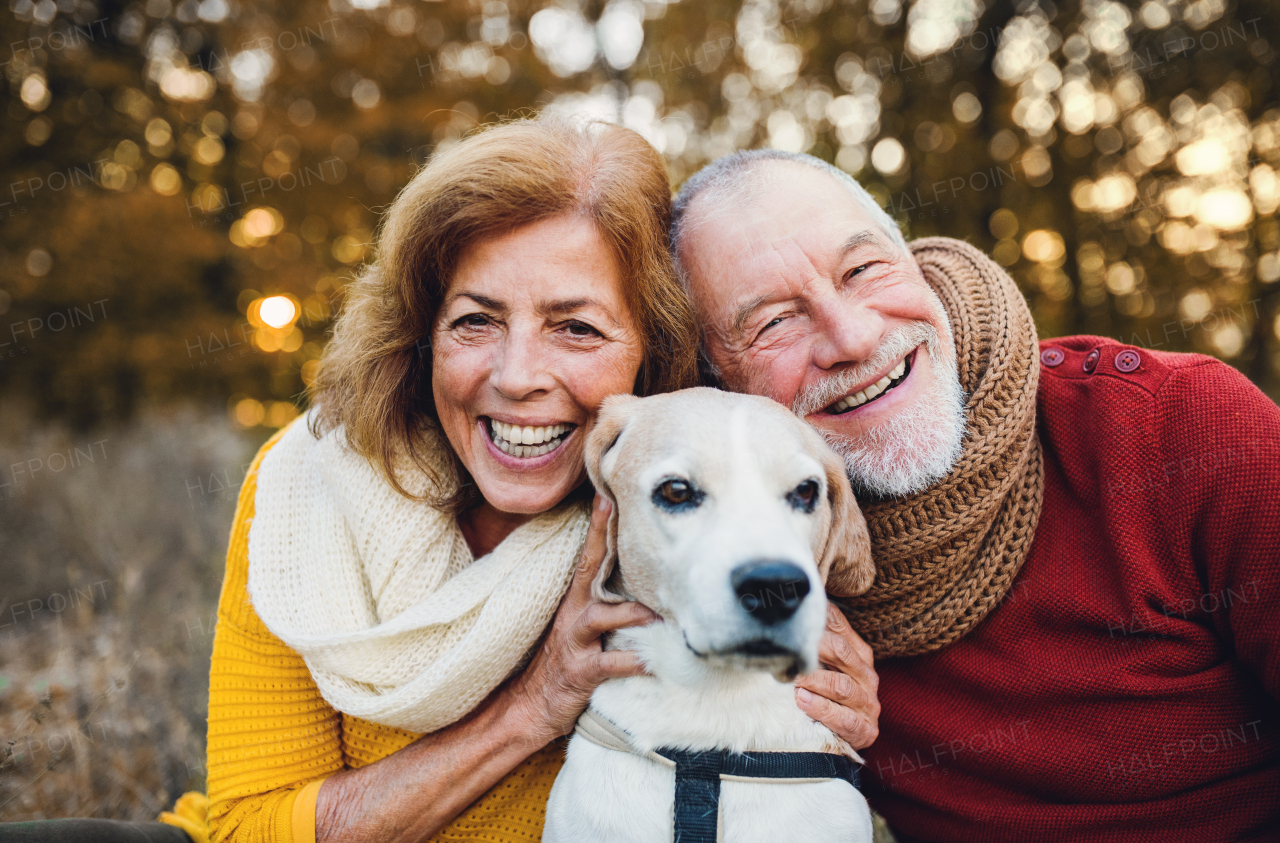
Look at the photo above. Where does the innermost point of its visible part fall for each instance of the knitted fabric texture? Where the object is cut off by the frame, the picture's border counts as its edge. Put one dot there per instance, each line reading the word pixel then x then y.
pixel 380 595
pixel 946 556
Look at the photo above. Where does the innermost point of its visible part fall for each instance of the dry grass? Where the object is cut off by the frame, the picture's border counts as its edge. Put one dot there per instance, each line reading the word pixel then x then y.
pixel 111 556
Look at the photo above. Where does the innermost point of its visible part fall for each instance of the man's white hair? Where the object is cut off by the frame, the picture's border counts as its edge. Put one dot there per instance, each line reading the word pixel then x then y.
pixel 728 181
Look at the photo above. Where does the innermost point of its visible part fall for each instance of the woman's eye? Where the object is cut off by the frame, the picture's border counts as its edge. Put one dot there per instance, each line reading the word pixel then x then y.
pixel 581 329
pixel 805 496
pixel 858 270
pixel 471 320
pixel 676 494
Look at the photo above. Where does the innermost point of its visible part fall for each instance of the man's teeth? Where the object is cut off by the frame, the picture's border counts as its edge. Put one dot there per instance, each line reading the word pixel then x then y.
pixel 527 442
pixel 872 391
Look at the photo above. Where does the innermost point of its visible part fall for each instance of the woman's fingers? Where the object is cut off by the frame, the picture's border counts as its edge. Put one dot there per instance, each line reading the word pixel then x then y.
pixel 616 664
pixel 572 660
pixel 593 551
pixel 599 618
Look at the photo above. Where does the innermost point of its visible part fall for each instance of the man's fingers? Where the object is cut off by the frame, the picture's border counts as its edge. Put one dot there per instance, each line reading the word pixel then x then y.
pixel 836 687
pixel 593 550
pixel 599 618
pixel 852 727
pixel 839 626
pixel 838 651
pixel 833 653
pixel 836 621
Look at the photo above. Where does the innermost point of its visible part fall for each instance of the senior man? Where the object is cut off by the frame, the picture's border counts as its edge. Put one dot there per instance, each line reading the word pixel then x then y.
pixel 1076 615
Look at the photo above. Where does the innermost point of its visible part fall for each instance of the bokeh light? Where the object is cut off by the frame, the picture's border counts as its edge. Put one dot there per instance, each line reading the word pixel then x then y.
pixel 278 311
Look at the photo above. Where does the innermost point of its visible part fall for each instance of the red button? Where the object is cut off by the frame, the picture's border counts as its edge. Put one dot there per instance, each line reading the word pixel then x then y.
pixel 1091 361
pixel 1127 361
pixel 1052 357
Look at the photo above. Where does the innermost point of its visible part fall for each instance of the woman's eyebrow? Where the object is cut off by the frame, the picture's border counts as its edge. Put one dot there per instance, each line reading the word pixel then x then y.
pixel 483 301
pixel 562 307
pixel 565 305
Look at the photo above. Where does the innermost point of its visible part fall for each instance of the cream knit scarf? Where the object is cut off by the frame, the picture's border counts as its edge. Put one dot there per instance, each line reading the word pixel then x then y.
pixel 380 595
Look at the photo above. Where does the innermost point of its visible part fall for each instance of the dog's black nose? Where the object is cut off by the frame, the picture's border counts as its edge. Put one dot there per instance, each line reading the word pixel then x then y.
pixel 769 591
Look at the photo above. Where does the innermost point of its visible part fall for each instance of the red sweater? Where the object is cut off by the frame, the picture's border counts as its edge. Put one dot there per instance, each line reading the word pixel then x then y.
pixel 1126 688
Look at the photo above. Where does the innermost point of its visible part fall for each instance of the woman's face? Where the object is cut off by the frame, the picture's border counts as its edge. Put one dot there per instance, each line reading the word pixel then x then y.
pixel 532 336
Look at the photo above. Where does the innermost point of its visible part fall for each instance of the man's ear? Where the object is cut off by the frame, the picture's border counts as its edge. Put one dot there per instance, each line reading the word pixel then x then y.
pixel 601 454
pixel 845 561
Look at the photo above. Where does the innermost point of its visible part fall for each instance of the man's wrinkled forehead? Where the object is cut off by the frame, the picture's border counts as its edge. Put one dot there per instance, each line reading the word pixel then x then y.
pixel 771 244
pixel 783 234
pixel 779 200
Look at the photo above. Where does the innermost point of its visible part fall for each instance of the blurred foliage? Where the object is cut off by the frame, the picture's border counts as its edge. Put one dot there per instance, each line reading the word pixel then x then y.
pixel 168 166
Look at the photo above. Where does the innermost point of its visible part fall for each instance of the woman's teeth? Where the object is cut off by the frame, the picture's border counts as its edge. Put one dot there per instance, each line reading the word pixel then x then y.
pixel 525 442
pixel 879 387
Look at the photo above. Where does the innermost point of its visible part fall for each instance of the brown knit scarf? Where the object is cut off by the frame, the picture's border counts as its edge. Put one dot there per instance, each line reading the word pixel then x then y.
pixel 947 556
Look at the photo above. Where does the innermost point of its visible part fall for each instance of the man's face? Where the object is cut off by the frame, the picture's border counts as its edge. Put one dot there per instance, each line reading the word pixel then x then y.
pixel 805 300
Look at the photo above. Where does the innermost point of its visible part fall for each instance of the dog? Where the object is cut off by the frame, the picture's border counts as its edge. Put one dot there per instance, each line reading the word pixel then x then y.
pixel 729 516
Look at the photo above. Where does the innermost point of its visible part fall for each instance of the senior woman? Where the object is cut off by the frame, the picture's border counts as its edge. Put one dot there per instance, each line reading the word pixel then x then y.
pixel 399 553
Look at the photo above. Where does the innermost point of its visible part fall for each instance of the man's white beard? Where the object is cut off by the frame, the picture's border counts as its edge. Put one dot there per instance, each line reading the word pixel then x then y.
pixel 921 444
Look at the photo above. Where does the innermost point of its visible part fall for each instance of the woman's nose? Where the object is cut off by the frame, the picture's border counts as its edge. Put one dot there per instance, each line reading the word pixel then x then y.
pixel 847 333
pixel 522 367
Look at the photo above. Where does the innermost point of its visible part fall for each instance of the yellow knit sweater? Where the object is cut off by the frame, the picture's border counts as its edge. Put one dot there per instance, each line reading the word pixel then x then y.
pixel 271 733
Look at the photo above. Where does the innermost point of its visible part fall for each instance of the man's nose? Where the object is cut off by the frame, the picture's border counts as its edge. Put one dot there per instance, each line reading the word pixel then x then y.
pixel 522 367
pixel 847 333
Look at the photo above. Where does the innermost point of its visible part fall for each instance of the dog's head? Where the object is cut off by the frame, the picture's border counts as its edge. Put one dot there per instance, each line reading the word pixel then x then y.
pixel 729 516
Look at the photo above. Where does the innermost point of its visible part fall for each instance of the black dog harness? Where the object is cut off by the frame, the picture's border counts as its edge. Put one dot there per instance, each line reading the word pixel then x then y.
pixel 699 773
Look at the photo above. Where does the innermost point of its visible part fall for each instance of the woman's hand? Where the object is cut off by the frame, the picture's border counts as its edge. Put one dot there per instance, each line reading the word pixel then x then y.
pixel 557 684
pixel 842 696
pixel 413 793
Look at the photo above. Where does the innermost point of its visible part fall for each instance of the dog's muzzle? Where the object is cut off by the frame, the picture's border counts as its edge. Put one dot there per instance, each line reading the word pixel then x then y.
pixel 766 595
pixel 769 591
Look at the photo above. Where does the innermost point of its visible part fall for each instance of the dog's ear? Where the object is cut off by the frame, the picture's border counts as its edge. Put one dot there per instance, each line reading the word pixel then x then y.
pixel 845 561
pixel 600 456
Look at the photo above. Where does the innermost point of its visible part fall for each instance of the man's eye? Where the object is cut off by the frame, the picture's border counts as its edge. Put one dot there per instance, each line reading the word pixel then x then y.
pixel 858 270
pixel 676 494
pixel 805 496
pixel 772 323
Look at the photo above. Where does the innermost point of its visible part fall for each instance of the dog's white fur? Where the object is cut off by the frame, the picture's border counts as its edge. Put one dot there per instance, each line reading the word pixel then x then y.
pixel 745 454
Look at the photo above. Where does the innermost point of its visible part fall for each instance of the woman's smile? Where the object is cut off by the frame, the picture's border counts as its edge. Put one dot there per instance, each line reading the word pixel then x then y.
pixel 525 447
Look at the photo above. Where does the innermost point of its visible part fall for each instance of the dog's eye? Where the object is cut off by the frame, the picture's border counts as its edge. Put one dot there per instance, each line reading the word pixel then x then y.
pixel 805 496
pixel 676 494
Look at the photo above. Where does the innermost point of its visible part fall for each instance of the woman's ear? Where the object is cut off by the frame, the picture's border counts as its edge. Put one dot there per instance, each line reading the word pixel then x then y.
pixel 601 455
pixel 845 561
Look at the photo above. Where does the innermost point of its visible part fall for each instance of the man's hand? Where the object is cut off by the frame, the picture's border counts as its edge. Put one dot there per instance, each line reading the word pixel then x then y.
pixel 842 696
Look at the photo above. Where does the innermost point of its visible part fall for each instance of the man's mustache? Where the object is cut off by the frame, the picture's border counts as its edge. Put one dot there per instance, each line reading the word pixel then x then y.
pixel 896 345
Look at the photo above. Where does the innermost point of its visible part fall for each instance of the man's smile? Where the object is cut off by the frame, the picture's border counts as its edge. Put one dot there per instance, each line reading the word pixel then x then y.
pixel 869 392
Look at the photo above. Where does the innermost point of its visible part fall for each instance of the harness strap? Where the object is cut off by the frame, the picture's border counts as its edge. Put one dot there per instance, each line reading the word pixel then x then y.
pixel 606 733
pixel 699 773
